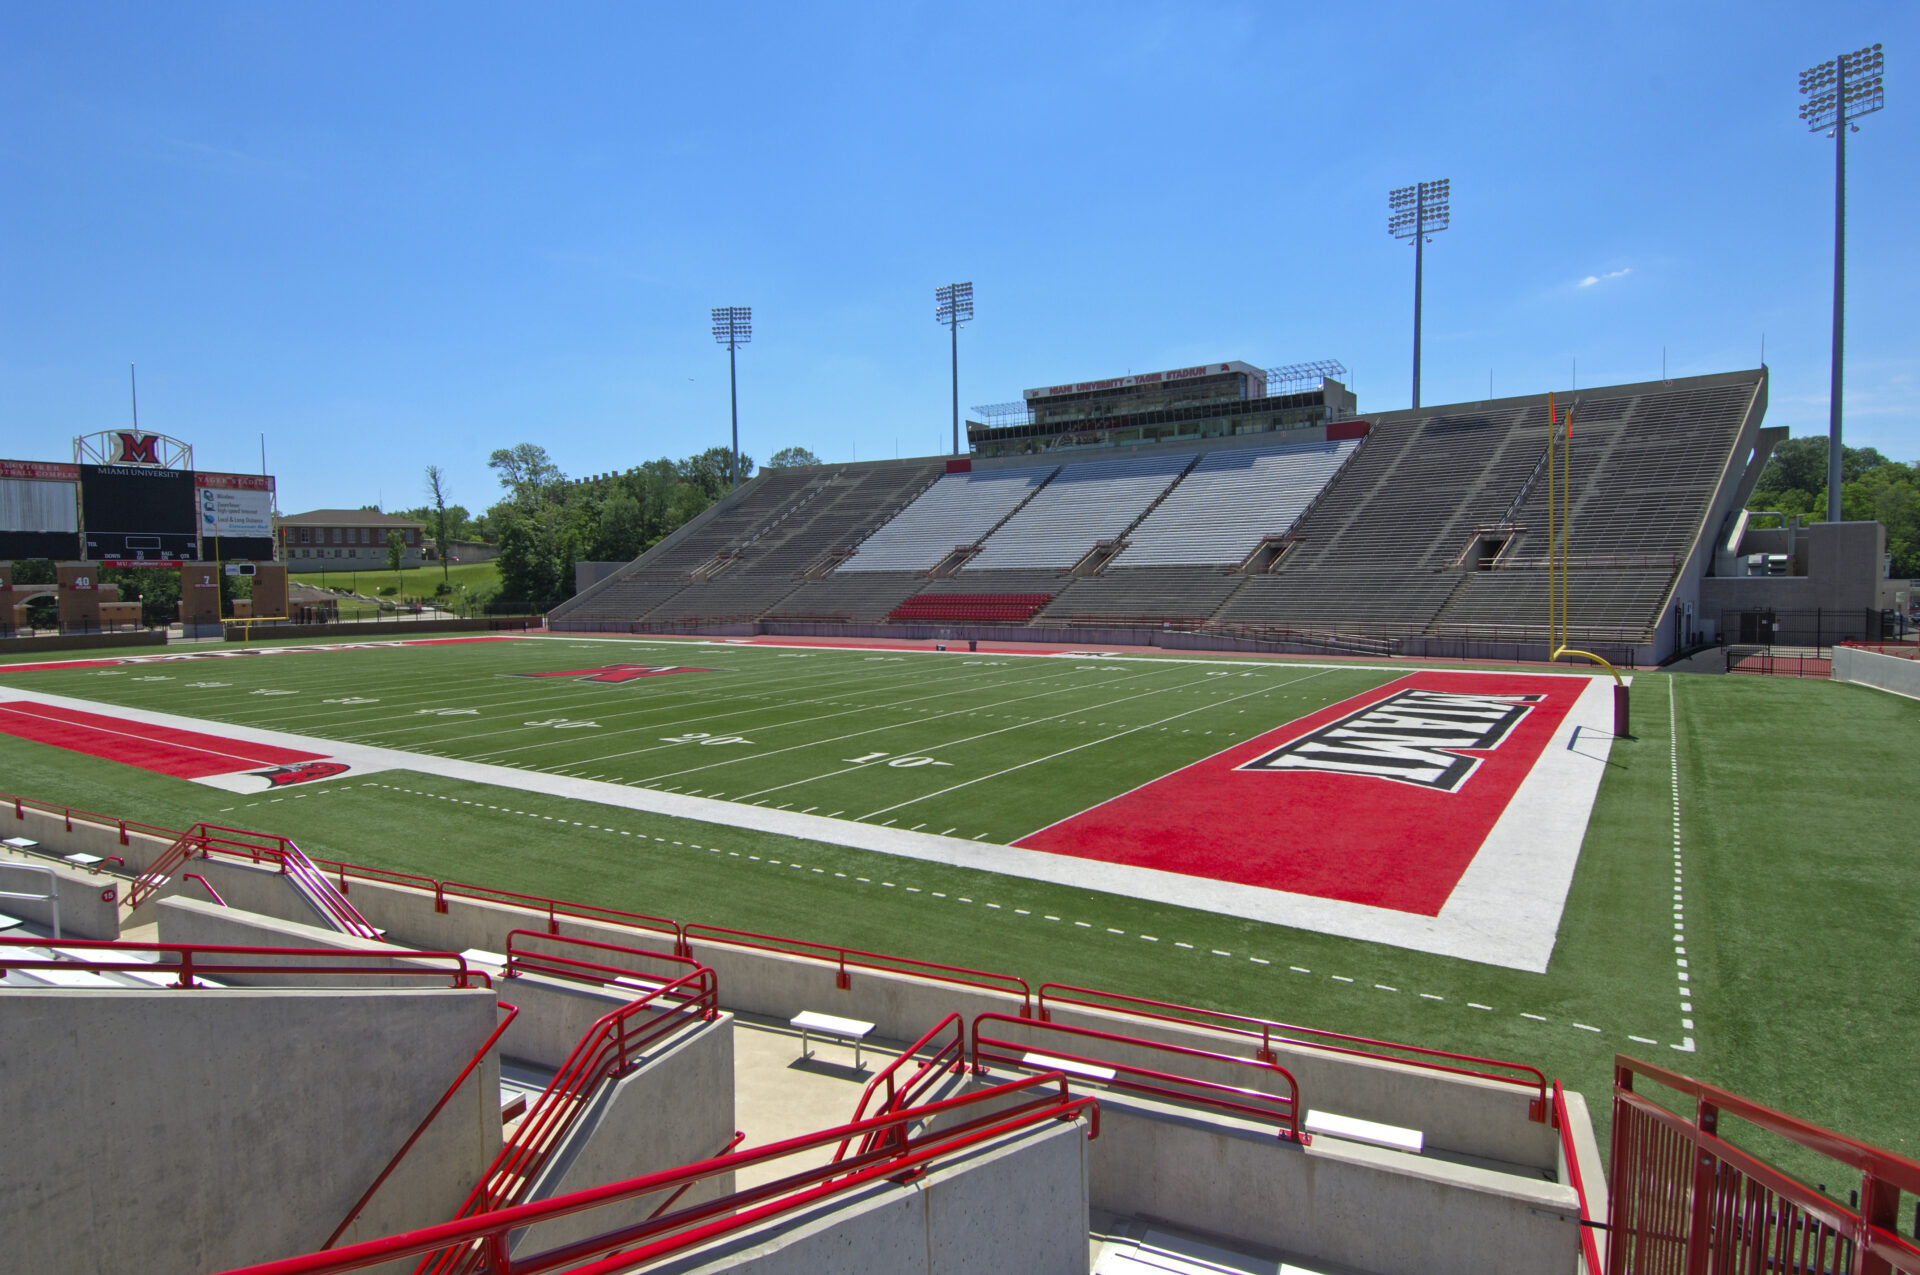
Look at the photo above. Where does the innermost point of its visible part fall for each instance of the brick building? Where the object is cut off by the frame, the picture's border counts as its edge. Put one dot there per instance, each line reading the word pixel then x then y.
pixel 331 538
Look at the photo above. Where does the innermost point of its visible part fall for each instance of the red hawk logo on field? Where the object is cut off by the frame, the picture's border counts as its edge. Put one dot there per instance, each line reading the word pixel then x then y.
pixel 303 773
pixel 619 672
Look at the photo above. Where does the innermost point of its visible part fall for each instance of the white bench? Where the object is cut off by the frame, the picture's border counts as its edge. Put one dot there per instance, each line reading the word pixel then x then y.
pixel 811 1022
pixel 21 843
pixel 1047 1062
pixel 84 860
pixel 1371 1132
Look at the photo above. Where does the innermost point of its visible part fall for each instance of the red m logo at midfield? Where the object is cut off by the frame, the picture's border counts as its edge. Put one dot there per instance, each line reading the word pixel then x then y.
pixel 139 449
pixel 620 672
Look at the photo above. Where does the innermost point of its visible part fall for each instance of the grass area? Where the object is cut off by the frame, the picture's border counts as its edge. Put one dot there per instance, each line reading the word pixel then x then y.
pixel 1797 834
pixel 482 579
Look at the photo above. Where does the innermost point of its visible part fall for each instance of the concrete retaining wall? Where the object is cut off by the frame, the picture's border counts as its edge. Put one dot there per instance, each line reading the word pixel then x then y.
pixel 1871 668
pixel 88 909
pixel 171 1153
pixel 83 641
pixel 674 1109
pixel 1334 1201
pixel 1015 1204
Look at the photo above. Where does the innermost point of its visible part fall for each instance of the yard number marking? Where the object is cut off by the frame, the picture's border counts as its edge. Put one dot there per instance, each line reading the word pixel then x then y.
pixel 701 737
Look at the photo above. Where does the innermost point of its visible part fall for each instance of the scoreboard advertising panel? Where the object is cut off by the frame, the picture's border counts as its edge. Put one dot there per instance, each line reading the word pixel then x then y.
pixel 235 516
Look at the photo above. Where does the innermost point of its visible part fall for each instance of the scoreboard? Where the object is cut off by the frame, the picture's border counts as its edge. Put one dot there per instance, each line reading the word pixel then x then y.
pixel 135 511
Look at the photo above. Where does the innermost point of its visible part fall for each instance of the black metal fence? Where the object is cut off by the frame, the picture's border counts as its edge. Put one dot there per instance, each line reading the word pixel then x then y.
pixel 1816 629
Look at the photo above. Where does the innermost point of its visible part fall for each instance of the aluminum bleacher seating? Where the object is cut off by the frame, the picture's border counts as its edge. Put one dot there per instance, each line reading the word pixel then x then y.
pixel 1234 498
pixel 1152 595
pixel 852 597
pixel 957 510
pixel 1085 504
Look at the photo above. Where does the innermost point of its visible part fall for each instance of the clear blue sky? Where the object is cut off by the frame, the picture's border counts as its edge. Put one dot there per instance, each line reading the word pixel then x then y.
pixel 389 235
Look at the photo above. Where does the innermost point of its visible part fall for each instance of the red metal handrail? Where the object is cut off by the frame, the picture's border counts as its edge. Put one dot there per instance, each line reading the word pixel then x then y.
pixel 1283 1108
pixel 951 1056
pixel 629 1246
pixel 320 892
pixel 1683 1198
pixel 556 909
pixel 69 813
pixel 191 961
pixel 844 958
pixel 1589 1246
pixel 606 1051
pixel 195 876
pixel 1304 1037
pixel 554 965
pixel 486 1047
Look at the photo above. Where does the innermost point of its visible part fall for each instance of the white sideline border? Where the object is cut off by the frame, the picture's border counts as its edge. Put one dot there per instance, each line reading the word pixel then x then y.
pixel 1504 911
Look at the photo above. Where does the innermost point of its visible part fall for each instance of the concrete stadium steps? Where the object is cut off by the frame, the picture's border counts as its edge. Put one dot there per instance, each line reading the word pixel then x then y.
pixel 845 511
pixel 853 597
pixel 1232 499
pixel 1405 599
pixel 1644 471
pixel 1421 484
pixel 1085 504
pixel 772 493
pixel 1144 593
pixel 622 600
pixel 729 597
pixel 1040 581
pixel 1628 599
pixel 958 509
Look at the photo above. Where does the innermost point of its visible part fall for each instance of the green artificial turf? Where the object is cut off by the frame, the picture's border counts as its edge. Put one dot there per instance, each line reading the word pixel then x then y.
pixel 1797 829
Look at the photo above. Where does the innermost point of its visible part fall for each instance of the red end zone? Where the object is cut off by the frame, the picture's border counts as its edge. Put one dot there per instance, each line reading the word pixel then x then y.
pixel 183 754
pixel 1382 799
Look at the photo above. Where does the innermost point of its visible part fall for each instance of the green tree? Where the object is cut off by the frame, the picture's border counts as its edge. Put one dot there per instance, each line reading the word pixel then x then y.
pixel 621 531
pixel 534 572
pixel 437 489
pixel 526 471
pixel 792 458
pixel 1872 488
pixel 396 551
pixel 34 571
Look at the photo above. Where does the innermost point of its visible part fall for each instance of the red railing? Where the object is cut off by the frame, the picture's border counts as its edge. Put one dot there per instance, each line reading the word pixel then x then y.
pixel 1269 1033
pixel 161 870
pixel 609 1049
pixel 191 961
pixel 1239 1100
pixel 483 1239
pixel 845 958
pixel 205 884
pixel 522 960
pixel 1589 1246
pixel 69 813
pixel 950 1057
pixel 320 892
pixel 555 909
pixel 1687 1202
pixel 512 1012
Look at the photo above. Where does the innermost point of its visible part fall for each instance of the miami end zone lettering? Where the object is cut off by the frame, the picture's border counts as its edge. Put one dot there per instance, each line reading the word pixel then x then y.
pixel 1414 737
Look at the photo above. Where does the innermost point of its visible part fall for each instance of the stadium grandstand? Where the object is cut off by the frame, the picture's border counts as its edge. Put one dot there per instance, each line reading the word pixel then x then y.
pixel 1179 514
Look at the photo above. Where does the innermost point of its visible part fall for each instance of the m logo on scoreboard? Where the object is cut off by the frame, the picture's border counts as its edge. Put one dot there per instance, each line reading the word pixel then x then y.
pixel 1415 737
pixel 137 449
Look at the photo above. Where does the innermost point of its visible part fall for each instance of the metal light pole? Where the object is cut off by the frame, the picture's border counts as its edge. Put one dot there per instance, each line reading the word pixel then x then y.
pixel 953 305
pixel 1837 93
pixel 733 328
pixel 1414 212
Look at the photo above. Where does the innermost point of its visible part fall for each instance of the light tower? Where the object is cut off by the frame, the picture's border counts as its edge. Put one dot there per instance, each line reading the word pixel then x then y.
pixel 1837 93
pixel 953 305
pixel 733 328
pixel 1414 212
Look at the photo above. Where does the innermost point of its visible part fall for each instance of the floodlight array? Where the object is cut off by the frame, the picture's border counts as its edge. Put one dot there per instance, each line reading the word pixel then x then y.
pixel 953 303
pixel 733 324
pixel 1423 206
pixel 1843 88
pixel 1297 376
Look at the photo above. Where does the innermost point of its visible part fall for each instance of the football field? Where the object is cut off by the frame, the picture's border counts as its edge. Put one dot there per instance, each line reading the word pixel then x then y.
pixel 1736 856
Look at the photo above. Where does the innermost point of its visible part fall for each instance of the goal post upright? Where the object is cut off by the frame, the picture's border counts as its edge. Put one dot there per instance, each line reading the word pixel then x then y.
pixel 1560 559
